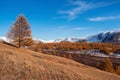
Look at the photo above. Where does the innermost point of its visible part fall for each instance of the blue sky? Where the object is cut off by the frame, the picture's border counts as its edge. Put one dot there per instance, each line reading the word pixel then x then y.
pixel 53 19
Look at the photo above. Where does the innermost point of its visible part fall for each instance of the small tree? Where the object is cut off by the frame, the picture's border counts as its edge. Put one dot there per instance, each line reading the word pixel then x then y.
pixel 107 51
pixel 20 33
pixel 118 70
pixel 108 66
pixel 70 56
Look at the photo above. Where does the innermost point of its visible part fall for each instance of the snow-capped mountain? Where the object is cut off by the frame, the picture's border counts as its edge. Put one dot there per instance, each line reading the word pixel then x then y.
pixel 58 40
pixel 102 37
pixel 47 41
pixel 70 39
pixel 113 36
pixel 96 38
pixel 43 41
pixel 73 39
pixel 105 37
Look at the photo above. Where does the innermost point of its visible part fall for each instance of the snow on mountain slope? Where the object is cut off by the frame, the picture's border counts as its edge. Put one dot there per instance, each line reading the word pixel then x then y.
pixel 96 38
pixel 93 38
pixel 71 39
pixel 113 36
pixel 4 39
pixel 105 37
pixel 46 41
pixel 58 40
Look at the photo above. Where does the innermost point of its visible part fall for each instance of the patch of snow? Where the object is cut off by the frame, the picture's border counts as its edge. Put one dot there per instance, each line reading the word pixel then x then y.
pixel 93 38
pixel 69 39
pixel 58 40
pixel 4 39
pixel 46 41
pixel 115 55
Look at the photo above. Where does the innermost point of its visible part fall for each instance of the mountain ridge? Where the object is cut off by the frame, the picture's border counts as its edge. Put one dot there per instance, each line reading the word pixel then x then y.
pixel 113 36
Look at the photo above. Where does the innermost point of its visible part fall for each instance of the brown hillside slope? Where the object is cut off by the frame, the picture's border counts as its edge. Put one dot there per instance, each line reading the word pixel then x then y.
pixel 22 64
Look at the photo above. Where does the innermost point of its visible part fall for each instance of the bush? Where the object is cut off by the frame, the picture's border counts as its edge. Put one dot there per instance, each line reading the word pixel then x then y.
pixel 118 70
pixel 108 66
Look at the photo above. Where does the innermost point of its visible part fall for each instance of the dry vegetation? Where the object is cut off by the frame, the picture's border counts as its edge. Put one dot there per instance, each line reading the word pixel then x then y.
pixel 106 48
pixel 59 49
pixel 23 64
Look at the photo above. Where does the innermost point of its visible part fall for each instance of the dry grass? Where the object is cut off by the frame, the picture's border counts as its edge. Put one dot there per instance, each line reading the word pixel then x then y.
pixel 22 64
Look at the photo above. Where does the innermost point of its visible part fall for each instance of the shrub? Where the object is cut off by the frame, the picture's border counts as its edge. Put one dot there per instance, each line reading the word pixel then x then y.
pixel 108 66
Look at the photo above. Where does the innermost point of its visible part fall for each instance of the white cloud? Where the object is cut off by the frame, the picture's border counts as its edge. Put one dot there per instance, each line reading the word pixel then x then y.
pixel 78 28
pixel 79 7
pixel 67 29
pixel 103 18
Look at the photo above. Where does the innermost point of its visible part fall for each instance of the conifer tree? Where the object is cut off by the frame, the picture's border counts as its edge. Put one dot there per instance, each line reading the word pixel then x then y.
pixel 108 65
pixel 118 70
pixel 20 33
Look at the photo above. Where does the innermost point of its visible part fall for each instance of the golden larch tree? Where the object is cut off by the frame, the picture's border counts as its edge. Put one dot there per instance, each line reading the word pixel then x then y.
pixel 108 65
pixel 20 33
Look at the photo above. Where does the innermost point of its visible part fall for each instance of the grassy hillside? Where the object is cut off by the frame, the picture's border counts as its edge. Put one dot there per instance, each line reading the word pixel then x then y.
pixel 23 64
